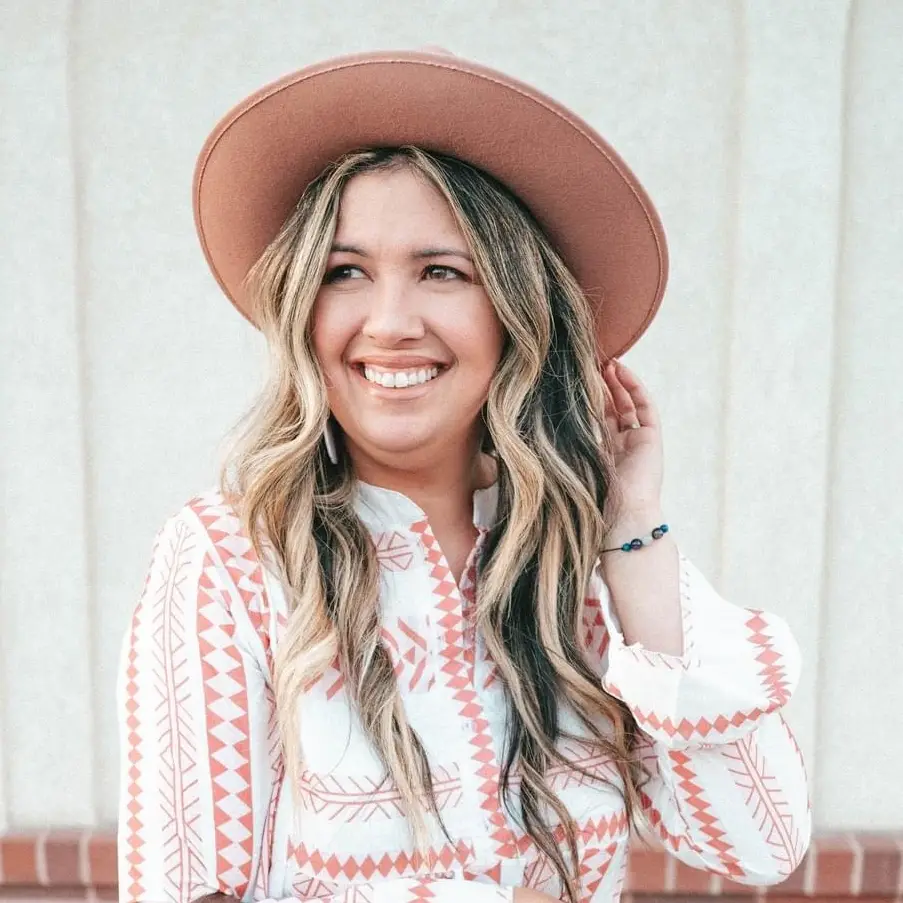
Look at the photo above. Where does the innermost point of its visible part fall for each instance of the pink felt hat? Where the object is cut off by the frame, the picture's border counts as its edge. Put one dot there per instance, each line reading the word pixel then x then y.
pixel 264 152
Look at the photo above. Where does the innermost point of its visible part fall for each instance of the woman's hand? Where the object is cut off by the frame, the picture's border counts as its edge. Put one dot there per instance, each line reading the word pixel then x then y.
pixel 638 453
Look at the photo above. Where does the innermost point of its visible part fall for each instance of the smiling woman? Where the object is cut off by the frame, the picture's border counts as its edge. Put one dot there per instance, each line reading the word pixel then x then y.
pixel 430 637
pixel 402 307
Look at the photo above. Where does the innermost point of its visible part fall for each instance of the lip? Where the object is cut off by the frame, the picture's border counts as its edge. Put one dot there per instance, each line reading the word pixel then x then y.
pixel 397 363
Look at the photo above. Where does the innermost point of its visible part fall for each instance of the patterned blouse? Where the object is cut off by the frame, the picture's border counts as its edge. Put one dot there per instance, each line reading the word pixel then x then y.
pixel 204 808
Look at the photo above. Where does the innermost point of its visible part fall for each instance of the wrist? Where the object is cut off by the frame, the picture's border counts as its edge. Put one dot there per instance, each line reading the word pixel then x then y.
pixel 641 517
pixel 642 528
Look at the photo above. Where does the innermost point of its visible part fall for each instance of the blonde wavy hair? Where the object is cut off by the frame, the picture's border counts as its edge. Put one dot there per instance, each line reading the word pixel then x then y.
pixel 545 426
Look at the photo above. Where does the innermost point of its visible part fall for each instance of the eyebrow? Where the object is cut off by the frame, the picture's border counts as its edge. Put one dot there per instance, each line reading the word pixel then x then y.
pixel 423 253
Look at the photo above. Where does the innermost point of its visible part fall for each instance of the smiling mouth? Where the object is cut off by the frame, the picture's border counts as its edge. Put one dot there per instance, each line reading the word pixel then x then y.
pixel 399 379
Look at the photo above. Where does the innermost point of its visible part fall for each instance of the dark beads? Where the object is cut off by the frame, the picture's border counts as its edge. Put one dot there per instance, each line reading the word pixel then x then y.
pixel 634 544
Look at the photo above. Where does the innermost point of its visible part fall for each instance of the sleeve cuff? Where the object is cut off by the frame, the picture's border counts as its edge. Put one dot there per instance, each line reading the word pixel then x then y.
pixel 737 665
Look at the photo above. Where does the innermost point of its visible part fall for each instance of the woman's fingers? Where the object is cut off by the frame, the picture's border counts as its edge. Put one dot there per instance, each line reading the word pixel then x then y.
pixel 624 411
pixel 631 396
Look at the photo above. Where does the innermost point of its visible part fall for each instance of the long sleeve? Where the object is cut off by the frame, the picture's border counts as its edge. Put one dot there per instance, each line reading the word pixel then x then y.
pixel 201 767
pixel 727 791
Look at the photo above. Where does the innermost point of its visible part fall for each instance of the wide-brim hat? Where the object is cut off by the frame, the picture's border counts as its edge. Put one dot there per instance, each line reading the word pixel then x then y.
pixel 263 153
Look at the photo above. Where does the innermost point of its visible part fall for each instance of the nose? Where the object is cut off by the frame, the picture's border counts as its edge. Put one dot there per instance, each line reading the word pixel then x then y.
pixel 393 314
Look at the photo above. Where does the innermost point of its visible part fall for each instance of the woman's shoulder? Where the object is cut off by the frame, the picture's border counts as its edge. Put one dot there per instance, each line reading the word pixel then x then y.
pixel 206 543
pixel 212 519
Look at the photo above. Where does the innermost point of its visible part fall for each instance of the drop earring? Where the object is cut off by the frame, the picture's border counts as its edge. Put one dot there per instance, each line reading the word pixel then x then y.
pixel 329 439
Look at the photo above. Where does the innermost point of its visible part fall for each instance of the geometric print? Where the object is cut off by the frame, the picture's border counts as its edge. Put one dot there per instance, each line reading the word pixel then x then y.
pixel 772 673
pixel 409 649
pixel 595 633
pixel 765 799
pixel 348 798
pixel 177 739
pixel 457 669
pixel 228 734
pixel 711 834
pixel 205 806
pixel 393 551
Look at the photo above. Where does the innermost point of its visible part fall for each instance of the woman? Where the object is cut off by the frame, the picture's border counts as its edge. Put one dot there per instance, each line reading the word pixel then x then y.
pixel 432 639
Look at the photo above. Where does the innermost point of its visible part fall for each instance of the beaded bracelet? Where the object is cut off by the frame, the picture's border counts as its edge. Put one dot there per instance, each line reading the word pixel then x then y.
pixel 639 542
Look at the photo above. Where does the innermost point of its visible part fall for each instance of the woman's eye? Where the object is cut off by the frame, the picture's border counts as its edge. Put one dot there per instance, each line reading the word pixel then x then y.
pixel 438 273
pixel 341 273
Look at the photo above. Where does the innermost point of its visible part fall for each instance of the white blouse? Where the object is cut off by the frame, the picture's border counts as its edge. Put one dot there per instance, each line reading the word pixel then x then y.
pixel 204 808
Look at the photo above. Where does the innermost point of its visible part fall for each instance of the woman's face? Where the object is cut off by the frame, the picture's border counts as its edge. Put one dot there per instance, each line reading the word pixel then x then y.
pixel 406 336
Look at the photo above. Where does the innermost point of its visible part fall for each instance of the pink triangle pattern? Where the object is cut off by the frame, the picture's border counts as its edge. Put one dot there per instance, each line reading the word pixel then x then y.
pixel 708 825
pixel 458 672
pixel 304 888
pixel 595 633
pixel 594 858
pixel 225 688
pixel 773 673
pixel 420 892
pixel 238 556
pixel 594 865
pixel 409 651
pixel 329 866
pixel 486 672
pixel 134 825
pixel 701 728
pixel 656 820
pixel 228 733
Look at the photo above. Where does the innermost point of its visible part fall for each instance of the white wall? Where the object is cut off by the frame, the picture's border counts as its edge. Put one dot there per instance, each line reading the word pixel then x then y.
pixel 770 135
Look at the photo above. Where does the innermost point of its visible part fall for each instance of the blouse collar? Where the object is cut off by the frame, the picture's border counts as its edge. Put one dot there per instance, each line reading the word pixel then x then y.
pixel 380 508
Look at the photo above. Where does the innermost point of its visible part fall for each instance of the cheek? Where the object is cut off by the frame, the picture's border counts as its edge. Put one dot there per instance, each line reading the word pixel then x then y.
pixel 331 331
pixel 482 338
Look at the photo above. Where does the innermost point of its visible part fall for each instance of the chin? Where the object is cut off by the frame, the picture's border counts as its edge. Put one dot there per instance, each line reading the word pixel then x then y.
pixel 398 443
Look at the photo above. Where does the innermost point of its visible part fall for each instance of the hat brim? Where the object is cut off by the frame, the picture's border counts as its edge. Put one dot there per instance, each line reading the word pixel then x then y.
pixel 259 159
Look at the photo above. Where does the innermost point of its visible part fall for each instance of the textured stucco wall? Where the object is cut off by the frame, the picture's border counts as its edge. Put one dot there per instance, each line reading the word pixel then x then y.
pixel 769 134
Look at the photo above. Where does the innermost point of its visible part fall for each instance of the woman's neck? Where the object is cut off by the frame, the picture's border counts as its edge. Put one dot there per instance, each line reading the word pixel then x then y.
pixel 443 489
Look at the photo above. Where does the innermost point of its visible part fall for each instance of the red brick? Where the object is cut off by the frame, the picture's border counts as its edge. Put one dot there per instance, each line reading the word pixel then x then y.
pixel 646 870
pixel 103 867
pixel 834 859
pixel 61 853
pixel 881 863
pixel 19 860
pixel 688 880
pixel 734 887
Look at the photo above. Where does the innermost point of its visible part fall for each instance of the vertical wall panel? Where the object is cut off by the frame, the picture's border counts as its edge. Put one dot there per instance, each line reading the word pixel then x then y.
pixel 777 392
pixel 861 697
pixel 48 739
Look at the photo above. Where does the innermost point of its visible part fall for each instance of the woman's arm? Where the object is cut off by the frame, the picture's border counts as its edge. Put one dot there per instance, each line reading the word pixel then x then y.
pixel 647 582
pixel 727 791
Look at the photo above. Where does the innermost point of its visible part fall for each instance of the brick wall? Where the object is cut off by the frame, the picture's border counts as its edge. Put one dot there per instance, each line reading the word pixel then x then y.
pixel 67 865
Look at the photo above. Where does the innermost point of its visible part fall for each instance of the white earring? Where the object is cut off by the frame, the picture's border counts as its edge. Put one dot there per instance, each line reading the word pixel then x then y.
pixel 329 439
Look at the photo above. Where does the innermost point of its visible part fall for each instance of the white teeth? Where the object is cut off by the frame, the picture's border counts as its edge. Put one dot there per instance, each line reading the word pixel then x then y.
pixel 399 379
